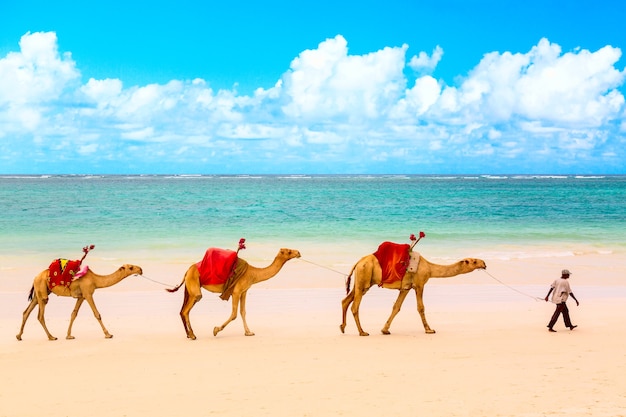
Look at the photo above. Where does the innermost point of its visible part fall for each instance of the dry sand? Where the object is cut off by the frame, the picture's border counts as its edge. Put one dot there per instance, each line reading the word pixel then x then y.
pixel 491 356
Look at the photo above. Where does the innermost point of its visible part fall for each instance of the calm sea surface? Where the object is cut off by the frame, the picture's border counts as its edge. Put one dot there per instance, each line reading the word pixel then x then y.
pixel 509 216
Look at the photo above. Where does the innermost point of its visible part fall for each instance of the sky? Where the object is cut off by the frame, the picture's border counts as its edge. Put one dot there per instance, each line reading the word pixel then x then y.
pixel 325 87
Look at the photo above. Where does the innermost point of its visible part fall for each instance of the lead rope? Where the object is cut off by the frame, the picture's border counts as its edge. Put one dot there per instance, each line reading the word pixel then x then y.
pixel 323 266
pixel 514 289
pixel 155 281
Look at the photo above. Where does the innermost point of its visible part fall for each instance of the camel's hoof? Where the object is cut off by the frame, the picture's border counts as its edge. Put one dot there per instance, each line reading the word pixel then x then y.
pixel 191 336
pixel 364 334
pixel 216 330
pixel 249 334
pixel 108 336
pixel 342 327
pixel 383 331
pixel 18 337
pixel 68 337
pixel 52 339
pixel 430 331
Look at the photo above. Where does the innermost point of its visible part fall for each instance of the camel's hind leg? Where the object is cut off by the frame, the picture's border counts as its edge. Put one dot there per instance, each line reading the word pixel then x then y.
pixel 233 315
pixel 189 301
pixel 40 316
pixel 396 309
pixel 42 300
pixel 29 309
pixel 345 303
pixel 79 302
pixel 361 286
pixel 358 296
pixel 38 296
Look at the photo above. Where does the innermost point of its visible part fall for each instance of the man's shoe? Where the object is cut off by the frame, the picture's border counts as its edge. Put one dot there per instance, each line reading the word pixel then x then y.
pixel 550 329
pixel 573 327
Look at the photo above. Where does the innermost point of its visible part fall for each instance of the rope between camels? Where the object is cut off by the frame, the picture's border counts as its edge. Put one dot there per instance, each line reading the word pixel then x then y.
pixel 155 281
pixel 514 289
pixel 323 266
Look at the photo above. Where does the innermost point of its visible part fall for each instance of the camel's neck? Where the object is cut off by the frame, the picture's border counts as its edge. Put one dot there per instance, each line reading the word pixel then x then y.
pixel 104 281
pixel 443 271
pixel 263 274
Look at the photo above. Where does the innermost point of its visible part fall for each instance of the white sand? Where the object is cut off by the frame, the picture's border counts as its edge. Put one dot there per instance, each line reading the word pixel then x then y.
pixel 492 354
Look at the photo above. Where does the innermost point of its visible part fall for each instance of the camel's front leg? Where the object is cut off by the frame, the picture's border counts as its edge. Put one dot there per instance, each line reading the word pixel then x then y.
pixel 242 310
pixel 27 312
pixel 419 292
pixel 233 314
pixel 96 313
pixel 79 302
pixel 396 309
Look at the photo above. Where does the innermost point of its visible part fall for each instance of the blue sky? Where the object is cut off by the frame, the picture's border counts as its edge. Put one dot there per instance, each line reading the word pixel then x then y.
pixel 276 87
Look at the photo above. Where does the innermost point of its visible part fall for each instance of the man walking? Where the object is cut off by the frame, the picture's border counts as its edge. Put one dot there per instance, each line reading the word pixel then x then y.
pixel 561 290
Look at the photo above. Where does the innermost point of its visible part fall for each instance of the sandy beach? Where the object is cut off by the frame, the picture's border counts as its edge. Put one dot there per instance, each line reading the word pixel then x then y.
pixel 491 355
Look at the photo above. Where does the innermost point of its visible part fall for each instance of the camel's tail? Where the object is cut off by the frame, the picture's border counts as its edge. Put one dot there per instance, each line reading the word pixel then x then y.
pixel 176 287
pixel 349 278
pixel 31 293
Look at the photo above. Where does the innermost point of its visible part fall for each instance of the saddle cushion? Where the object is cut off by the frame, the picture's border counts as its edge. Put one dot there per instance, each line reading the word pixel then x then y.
pixel 394 261
pixel 63 272
pixel 216 266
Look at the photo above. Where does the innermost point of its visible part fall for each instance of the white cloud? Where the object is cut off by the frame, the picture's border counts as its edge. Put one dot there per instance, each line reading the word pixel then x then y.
pixel 418 99
pixel 103 92
pixel 86 150
pixel 140 134
pixel 327 83
pixel 329 108
pixel 36 74
pixel 423 62
pixel 543 84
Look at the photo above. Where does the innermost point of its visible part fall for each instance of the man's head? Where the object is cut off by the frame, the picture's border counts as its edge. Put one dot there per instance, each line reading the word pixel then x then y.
pixel 565 273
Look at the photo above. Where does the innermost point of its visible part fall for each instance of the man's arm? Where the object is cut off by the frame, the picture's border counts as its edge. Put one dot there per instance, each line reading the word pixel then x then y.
pixel 550 292
pixel 572 295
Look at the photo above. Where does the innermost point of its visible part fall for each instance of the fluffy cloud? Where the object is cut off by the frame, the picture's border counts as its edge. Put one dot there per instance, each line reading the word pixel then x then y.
pixel 37 74
pixel 423 62
pixel 362 113
pixel 31 80
pixel 327 83
pixel 577 89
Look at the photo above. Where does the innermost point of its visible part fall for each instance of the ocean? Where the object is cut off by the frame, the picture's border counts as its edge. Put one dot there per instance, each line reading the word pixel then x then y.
pixel 503 217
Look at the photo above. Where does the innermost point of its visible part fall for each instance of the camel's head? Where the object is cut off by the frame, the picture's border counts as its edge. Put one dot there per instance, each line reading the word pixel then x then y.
pixel 288 254
pixel 131 269
pixel 473 263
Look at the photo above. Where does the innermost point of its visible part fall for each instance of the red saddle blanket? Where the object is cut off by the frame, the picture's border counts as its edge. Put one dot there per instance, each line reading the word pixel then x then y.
pixel 216 266
pixel 62 272
pixel 394 261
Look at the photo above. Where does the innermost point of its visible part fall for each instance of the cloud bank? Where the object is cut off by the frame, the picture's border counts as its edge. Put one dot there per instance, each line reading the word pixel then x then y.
pixel 542 111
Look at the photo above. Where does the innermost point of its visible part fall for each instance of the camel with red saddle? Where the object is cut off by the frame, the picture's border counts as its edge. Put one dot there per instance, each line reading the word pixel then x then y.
pixel 410 274
pixel 80 285
pixel 237 288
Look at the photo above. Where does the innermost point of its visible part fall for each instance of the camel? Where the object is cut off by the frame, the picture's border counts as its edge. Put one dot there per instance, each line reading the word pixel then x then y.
pixel 82 289
pixel 369 272
pixel 250 277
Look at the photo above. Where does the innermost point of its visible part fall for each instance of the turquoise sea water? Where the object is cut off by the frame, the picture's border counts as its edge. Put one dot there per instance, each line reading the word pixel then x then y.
pixel 508 216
